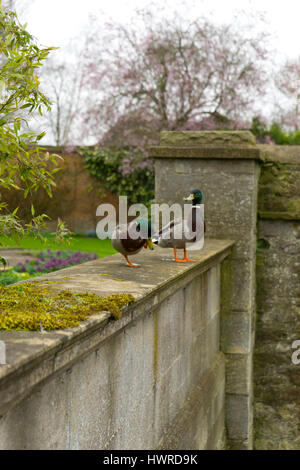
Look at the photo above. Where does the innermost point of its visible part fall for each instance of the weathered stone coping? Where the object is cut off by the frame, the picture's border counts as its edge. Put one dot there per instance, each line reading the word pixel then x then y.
pixel 209 152
pixel 279 186
pixel 289 154
pixel 32 357
pixel 214 138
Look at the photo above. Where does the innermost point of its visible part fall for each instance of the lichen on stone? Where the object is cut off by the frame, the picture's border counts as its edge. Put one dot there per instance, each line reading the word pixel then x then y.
pixel 279 189
pixel 33 307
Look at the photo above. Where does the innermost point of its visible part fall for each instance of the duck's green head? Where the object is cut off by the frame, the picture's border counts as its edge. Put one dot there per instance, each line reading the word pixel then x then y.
pixel 145 228
pixel 195 196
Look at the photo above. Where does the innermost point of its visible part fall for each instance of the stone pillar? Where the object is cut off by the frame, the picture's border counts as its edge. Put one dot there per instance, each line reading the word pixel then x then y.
pixel 225 166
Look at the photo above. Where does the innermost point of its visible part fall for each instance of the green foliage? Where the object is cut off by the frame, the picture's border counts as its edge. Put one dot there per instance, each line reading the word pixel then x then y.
pixel 21 167
pixel 63 234
pixel 11 276
pixel 281 138
pixel 110 168
pixel 258 129
pixel 273 134
pixel 48 241
pixel 24 166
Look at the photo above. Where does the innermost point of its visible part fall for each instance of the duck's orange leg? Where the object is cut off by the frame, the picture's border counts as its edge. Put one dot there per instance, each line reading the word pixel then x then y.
pixel 132 265
pixel 177 259
pixel 186 259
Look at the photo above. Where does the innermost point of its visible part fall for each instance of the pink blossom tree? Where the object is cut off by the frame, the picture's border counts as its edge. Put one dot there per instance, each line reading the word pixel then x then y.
pixel 156 74
pixel 288 83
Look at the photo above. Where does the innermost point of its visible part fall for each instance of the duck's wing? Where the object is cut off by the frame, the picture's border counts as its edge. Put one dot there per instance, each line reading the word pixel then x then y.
pixel 171 234
pixel 169 227
pixel 116 238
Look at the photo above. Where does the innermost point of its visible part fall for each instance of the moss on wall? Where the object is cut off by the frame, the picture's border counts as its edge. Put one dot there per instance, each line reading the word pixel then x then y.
pixel 276 395
pixel 29 306
pixel 279 191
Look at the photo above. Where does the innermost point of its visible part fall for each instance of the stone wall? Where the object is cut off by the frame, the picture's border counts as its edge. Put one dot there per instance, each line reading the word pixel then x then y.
pixel 276 378
pixel 225 166
pixel 155 379
pixel 251 195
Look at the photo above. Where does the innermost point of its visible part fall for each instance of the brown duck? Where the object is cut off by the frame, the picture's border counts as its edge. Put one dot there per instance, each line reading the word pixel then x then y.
pixel 124 243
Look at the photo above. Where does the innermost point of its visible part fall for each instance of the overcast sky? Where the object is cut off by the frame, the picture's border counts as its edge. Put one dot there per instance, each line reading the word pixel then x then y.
pixel 54 22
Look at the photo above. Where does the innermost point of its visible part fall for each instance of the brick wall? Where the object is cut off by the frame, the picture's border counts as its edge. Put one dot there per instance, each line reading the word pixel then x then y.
pixel 74 200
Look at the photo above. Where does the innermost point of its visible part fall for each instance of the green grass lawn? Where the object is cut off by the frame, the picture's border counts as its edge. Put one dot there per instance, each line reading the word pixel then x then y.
pixel 77 243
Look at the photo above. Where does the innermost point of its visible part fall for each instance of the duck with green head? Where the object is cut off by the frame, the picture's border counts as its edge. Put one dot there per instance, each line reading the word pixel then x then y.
pixel 129 239
pixel 181 233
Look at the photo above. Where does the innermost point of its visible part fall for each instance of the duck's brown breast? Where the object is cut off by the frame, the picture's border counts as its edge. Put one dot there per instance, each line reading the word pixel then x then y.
pixel 132 245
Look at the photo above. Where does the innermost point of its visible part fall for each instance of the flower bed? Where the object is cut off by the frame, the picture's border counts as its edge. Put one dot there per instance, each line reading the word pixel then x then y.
pixel 45 262
pixel 48 261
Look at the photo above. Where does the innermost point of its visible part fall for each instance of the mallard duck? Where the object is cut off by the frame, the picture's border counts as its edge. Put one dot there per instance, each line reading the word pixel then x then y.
pixel 180 232
pixel 124 242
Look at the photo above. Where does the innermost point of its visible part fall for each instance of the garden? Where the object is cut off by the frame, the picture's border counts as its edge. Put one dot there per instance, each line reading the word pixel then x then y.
pixel 32 257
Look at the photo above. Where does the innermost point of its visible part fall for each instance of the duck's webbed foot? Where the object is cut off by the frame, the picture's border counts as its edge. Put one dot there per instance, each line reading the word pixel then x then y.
pixel 186 259
pixel 130 264
pixel 176 258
